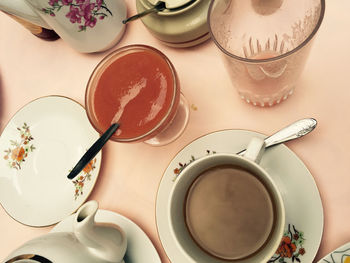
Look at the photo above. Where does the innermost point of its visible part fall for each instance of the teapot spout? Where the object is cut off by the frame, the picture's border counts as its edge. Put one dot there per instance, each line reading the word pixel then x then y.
pixel 105 242
pixel 86 213
pixel 84 222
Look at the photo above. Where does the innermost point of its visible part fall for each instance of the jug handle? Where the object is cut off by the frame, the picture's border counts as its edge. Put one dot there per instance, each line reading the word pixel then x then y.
pixel 23 10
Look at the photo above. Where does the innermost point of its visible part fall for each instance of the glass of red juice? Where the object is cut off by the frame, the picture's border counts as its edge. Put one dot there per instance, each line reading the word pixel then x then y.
pixel 137 86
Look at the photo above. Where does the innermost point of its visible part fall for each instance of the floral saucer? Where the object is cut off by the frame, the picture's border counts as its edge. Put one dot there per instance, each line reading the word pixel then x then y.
pixel 140 248
pixel 340 255
pixel 304 211
pixel 39 146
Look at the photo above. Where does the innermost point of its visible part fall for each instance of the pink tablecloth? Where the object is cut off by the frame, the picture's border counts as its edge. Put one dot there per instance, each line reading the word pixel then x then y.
pixel 31 68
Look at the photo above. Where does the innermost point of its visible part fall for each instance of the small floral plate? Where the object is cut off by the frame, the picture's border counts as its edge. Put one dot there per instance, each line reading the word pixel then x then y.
pixel 304 211
pixel 340 255
pixel 38 147
pixel 140 248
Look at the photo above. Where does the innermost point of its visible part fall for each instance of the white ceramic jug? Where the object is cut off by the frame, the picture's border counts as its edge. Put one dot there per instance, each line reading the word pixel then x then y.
pixel 90 242
pixel 86 25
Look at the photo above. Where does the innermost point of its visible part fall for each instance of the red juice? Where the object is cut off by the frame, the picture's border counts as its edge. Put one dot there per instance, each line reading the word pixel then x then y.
pixel 138 90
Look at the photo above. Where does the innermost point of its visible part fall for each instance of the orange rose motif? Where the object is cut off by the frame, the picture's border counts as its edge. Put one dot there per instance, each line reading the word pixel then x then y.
pixel 19 150
pixel 17 154
pixel 291 247
pixel 80 182
pixel 286 248
pixel 88 168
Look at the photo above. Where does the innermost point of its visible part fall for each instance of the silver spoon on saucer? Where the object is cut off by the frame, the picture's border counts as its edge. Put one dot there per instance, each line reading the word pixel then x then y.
pixel 293 131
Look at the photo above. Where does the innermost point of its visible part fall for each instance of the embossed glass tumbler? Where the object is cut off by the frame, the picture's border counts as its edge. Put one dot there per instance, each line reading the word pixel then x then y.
pixel 265 44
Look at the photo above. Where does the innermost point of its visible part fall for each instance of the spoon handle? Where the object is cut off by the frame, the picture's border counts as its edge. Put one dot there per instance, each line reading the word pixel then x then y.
pixel 291 132
pixel 157 8
pixel 93 150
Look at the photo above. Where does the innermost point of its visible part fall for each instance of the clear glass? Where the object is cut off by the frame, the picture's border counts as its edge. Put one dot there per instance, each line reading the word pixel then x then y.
pixel 170 126
pixel 265 44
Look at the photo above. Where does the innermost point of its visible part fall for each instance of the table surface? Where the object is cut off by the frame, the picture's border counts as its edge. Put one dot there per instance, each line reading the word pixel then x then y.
pixel 32 68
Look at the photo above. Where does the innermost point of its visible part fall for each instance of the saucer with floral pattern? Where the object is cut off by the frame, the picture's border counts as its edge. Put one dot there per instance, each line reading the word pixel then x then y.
pixel 39 146
pixel 304 211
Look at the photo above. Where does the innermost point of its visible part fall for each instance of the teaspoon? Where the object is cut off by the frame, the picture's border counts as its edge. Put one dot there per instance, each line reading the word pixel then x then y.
pixel 157 8
pixel 293 131
pixel 92 151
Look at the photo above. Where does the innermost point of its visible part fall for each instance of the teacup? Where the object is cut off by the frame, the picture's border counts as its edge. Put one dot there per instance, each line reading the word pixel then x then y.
pixel 225 207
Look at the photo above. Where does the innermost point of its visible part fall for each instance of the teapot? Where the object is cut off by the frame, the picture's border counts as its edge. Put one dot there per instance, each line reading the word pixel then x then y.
pixel 90 242
pixel 86 25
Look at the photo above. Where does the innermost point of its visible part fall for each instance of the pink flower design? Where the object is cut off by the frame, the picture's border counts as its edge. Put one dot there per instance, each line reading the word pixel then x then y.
pixel 52 2
pixel 66 2
pixel 82 12
pixel 86 9
pixel 99 4
pixel 91 23
pixel 74 15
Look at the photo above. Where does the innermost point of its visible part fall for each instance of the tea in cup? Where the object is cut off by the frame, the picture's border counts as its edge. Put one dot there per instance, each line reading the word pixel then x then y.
pixel 225 207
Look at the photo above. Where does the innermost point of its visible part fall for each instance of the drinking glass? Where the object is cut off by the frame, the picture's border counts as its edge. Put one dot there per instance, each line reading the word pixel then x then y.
pixel 167 126
pixel 265 44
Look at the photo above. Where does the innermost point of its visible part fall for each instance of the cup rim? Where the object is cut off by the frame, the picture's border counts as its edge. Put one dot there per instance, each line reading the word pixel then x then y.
pixel 109 59
pixel 256 61
pixel 279 202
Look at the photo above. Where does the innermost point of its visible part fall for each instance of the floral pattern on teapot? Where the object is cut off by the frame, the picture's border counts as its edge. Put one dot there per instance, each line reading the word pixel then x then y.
pixel 85 13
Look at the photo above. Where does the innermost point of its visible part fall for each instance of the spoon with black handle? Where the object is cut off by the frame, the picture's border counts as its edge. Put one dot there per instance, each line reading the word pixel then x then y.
pixel 157 8
pixel 93 150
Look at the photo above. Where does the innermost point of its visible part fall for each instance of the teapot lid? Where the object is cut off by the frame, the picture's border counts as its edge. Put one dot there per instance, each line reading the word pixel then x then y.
pixel 171 4
pixel 183 25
